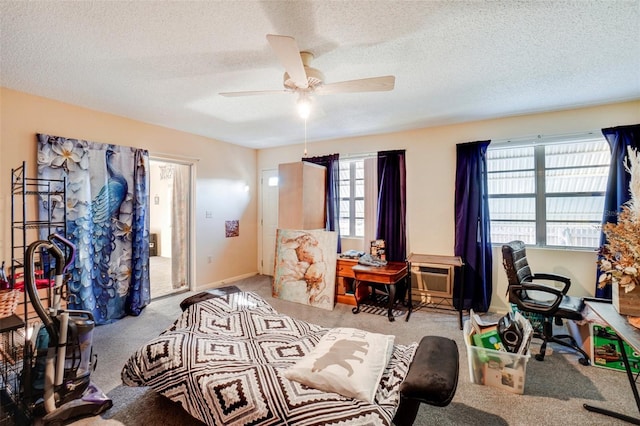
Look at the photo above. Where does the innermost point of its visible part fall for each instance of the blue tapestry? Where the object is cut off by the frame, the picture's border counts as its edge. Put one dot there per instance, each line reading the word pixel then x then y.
pixel 107 217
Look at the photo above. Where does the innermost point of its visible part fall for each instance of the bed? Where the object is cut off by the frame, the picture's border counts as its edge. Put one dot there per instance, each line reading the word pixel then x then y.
pixel 228 357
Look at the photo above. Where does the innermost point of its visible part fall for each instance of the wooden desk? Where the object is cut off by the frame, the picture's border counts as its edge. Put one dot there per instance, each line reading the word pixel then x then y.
pixel 624 332
pixel 388 275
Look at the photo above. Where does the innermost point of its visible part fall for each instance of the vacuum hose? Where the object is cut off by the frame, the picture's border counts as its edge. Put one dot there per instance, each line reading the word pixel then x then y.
pixel 30 282
pixel 61 265
pixel 57 336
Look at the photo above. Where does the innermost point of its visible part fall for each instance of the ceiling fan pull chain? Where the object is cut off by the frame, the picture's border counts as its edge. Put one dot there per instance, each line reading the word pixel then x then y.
pixel 305 137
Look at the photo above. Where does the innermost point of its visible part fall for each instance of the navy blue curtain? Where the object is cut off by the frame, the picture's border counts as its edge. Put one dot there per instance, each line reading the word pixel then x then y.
pixel 392 205
pixel 620 139
pixel 473 239
pixel 332 191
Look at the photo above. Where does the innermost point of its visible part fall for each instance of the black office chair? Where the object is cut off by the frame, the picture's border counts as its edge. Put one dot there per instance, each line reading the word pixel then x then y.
pixel 538 298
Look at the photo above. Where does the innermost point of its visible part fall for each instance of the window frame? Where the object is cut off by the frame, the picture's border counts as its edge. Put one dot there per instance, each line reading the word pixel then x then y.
pixel 540 195
pixel 352 198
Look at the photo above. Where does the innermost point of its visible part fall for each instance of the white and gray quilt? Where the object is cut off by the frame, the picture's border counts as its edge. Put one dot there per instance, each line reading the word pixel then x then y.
pixel 223 361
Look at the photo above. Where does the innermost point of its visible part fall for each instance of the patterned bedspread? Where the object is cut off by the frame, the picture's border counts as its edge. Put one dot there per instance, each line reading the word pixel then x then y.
pixel 223 360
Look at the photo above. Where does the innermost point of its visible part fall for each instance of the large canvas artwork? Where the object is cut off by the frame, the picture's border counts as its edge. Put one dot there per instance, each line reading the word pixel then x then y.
pixel 305 270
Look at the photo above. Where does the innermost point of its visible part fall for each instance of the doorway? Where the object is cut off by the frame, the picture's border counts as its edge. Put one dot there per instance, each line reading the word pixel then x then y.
pixel 169 226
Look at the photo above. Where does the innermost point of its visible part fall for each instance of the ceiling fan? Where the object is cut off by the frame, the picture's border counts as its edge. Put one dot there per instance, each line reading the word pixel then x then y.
pixel 301 79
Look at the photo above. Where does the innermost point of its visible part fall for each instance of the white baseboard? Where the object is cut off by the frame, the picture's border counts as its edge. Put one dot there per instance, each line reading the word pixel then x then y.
pixel 225 282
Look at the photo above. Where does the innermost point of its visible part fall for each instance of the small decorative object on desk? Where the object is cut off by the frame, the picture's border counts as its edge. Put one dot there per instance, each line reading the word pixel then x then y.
pixel 378 249
pixel 619 257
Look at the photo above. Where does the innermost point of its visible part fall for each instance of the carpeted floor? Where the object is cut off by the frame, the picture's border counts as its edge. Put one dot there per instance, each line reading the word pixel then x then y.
pixel 555 389
pixel 160 277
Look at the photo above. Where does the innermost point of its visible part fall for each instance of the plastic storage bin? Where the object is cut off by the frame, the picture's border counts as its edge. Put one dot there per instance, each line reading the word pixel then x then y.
pixel 504 370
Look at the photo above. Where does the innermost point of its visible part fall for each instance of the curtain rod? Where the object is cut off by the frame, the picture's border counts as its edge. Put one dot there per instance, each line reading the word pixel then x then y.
pixel 546 139
pixel 358 155
pixel 172 157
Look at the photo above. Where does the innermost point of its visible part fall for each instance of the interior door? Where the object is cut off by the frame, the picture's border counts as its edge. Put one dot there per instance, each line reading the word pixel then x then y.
pixel 269 220
pixel 170 226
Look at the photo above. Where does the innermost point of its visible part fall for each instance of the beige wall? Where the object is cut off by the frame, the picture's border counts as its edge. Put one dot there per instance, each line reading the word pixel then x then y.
pixel 431 179
pixel 222 170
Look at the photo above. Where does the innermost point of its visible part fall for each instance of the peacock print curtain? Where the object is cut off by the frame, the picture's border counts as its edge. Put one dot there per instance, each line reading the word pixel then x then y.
pixel 107 216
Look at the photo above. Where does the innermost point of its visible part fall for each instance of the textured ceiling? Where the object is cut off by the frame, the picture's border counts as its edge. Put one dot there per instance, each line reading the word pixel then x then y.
pixel 166 62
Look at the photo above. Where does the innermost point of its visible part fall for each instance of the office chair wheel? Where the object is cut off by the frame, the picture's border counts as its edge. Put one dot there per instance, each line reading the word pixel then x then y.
pixel 584 361
pixel 539 357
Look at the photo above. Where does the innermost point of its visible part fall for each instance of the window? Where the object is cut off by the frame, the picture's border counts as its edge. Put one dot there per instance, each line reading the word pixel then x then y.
pixel 352 198
pixel 548 194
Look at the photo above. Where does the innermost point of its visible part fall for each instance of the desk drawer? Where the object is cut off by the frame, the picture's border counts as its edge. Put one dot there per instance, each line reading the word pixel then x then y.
pixel 343 269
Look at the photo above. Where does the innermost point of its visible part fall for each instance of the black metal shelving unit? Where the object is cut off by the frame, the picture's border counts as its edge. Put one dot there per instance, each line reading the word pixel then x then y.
pixel 27 226
pixel 11 348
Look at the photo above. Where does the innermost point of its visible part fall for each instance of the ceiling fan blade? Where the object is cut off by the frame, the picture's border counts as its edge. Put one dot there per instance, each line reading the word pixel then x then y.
pixel 373 84
pixel 253 93
pixel 287 51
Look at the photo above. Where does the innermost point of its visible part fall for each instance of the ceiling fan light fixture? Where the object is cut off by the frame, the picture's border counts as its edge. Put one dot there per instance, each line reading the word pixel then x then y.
pixel 304 106
pixel 300 78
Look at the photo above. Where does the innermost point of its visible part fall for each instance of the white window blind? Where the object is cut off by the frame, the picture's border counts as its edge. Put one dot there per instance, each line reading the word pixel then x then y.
pixel 548 194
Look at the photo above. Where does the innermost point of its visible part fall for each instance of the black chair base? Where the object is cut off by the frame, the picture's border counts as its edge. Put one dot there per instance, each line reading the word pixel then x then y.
pixel 561 339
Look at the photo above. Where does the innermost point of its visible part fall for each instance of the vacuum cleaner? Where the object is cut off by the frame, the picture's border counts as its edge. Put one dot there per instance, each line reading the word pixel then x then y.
pixel 59 359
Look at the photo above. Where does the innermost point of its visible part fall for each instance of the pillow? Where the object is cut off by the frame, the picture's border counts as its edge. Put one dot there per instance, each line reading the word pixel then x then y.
pixel 346 361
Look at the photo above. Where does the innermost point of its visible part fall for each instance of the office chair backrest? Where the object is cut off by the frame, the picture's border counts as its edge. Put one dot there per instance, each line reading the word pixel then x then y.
pixel 514 260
